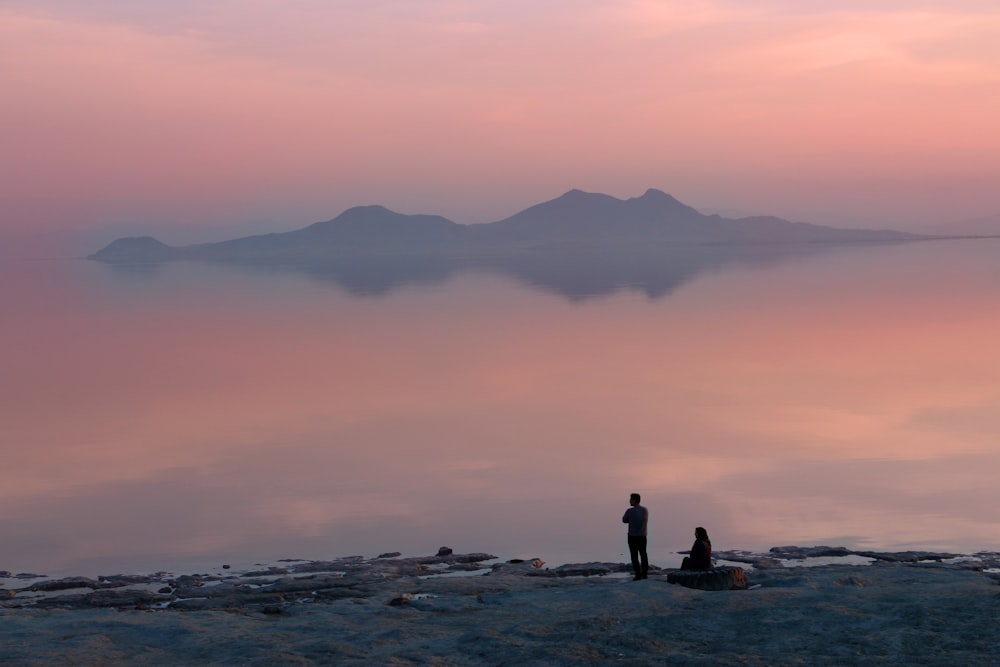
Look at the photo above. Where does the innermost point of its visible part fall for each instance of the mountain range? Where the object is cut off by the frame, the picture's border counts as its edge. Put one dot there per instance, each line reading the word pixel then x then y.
pixel 576 220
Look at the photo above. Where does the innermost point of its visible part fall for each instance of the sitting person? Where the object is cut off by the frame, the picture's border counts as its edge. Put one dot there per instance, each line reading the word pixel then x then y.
pixel 701 552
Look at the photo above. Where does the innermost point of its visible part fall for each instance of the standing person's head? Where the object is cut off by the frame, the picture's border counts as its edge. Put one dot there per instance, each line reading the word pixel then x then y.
pixel 634 499
pixel 701 534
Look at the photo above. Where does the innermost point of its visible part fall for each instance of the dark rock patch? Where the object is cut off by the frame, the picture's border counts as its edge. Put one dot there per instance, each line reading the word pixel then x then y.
pixel 724 578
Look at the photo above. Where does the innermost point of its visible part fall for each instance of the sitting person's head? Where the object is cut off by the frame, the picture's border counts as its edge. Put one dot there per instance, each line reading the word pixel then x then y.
pixel 701 534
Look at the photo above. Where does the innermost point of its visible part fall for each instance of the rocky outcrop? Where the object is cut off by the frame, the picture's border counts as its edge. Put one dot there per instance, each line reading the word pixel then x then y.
pixel 296 582
pixel 451 583
pixel 723 578
pixel 777 557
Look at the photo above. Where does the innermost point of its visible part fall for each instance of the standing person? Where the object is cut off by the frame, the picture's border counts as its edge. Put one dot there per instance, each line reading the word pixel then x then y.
pixel 701 552
pixel 637 517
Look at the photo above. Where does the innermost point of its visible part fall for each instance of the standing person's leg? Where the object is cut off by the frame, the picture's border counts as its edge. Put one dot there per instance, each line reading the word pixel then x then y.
pixel 633 549
pixel 643 557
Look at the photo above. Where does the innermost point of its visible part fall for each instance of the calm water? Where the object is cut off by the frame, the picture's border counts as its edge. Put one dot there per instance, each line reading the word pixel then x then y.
pixel 195 414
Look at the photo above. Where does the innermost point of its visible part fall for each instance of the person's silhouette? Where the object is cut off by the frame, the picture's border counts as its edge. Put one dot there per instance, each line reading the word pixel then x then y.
pixel 701 552
pixel 637 518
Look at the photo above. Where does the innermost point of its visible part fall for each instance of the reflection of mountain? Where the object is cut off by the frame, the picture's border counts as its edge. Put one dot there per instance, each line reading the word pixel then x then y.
pixel 575 275
pixel 653 273
pixel 579 244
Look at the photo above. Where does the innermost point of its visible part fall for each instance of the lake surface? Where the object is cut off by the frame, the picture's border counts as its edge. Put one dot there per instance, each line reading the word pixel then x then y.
pixel 191 414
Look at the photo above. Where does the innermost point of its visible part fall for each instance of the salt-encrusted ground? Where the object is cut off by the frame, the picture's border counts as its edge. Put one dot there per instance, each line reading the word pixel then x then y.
pixel 896 610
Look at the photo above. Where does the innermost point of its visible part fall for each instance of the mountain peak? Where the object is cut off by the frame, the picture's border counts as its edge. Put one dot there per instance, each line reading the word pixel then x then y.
pixel 658 204
pixel 133 247
pixel 653 193
pixel 368 212
pixel 580 195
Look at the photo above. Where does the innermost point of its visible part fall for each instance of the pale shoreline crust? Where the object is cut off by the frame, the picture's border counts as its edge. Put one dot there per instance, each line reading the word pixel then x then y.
pixel 458 609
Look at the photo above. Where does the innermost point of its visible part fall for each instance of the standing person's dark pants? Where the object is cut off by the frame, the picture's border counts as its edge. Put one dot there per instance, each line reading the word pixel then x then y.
pixel 637 549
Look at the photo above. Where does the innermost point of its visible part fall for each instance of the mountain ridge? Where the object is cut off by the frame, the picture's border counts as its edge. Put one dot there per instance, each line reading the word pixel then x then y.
pixel 572 220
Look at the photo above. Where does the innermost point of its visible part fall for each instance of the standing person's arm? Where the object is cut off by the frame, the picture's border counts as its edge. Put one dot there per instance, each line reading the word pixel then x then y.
pixel 625 518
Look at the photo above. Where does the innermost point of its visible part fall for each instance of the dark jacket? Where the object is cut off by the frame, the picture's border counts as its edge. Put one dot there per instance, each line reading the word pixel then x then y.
pixel 701 556
pixel 636 517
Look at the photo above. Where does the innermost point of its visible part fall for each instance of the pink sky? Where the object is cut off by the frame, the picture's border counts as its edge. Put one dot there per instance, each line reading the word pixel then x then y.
pixel 276 114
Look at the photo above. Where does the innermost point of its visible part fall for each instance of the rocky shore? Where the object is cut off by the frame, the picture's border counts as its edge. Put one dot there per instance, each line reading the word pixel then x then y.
pixel 853 607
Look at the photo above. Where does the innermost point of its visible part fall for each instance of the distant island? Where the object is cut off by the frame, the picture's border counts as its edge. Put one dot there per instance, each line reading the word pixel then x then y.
pixel 580 245
pixel 576 221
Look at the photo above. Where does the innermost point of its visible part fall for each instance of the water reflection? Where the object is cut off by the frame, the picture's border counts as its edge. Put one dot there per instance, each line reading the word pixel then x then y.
pixel 574 274
pixel 203 414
